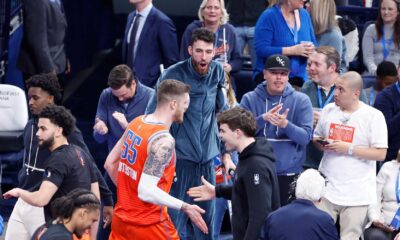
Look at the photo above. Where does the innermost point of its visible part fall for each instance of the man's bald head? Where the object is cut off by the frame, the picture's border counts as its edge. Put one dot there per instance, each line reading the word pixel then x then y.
pixel 354 80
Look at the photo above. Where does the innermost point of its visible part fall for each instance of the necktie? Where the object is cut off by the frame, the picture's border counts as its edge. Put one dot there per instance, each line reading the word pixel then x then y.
pixel 132 40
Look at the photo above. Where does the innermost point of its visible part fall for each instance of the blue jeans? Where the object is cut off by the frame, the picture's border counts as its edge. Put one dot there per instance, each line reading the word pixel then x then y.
pixel 246 35
pixel 188 175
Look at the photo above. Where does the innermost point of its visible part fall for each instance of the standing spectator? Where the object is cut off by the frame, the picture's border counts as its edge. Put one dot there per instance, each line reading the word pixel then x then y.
pixel 213 16
pixel 143 163
pixel 301 219
pixel 285 28
pixel 255 189
pixel 125 99
pixel 150 40
pixel 285 117
pixel 43 46
pixel 353 137
pixel 388 102
pixel 381 41
pixel 326 29
pixel 244 15
pixel 382 213
pixel 386 74
pixel 196 138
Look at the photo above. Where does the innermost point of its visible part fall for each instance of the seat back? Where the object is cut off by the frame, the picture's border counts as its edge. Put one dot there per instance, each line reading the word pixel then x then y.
pixel 13 108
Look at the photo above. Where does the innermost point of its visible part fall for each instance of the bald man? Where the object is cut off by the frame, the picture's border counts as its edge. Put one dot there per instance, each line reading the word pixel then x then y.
pixel 353 136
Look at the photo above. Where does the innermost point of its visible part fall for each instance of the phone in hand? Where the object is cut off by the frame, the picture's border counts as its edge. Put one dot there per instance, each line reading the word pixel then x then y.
pixel 323 142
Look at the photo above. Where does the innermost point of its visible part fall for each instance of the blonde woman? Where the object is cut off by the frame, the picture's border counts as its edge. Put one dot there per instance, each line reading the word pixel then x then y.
pixel 213 16
pixel 326 30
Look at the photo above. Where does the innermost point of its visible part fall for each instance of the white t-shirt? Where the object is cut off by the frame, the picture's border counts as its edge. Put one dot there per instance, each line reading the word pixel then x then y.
pixel 351 180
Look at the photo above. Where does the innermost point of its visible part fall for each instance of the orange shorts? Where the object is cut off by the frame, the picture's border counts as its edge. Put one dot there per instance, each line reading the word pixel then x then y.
pixel 85 236
pixel 124 231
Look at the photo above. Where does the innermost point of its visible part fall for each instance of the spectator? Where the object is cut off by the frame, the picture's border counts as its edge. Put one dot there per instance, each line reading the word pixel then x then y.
pixel 73 214
pixel 382 213
pixel 323 70
pixel 150 40
pixel 196 138
pixel 326 29
pixel 284 28
pixel 125 99
pixel 213 16
pixel 243 16
pixel 381 40
pixel 301 219
pixel 353 137
pixel 43 44
pixel 43 90
pixel 285 117
pixel 254 192
pixel 386 74
pixel 388 102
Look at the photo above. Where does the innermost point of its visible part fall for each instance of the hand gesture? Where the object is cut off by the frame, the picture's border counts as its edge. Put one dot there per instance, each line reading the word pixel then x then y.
pixel 194 213
pixel 100 127
pixel 338 147
pixel 303 49
pixel 12 193
pixel 120 117
pixel 107 215
pixel 202 193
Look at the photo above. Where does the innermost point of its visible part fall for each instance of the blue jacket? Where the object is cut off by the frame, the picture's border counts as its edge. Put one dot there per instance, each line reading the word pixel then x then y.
pixel 288 143
pixel 108 104
pixel 272 34
pixel 196 138
pixel 299 220
pixel 233 53
pixel 388 101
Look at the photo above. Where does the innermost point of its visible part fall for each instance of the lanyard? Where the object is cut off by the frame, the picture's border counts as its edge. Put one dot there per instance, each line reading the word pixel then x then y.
pixel 383 42
pixel 216 38
pixel 328 99
pixel 372 96
pixel 398 86
pixel 294 31
pixel 397 187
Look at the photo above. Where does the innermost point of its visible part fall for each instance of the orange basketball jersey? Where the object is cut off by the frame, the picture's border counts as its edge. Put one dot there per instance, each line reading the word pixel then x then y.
pixel 129 207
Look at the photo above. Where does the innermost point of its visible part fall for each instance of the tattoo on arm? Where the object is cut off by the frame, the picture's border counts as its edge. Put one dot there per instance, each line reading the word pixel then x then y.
pixel 159 155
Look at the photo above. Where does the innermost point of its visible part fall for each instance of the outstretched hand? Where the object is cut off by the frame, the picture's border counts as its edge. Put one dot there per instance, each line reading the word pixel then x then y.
pixel 204 192
pixel 194 213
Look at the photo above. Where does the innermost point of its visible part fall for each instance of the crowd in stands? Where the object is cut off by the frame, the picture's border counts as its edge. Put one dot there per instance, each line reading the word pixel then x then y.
pixel 312 152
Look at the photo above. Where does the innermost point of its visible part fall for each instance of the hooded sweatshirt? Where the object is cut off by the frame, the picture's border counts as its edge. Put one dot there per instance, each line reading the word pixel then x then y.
pixel 255 191
pixel 288 143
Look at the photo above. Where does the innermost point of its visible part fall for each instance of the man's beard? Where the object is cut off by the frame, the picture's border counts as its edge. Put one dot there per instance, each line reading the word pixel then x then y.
pixel 46 143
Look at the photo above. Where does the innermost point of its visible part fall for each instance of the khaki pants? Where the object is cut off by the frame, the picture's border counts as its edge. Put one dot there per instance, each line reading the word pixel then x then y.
pixel 352 219
pixel 24 221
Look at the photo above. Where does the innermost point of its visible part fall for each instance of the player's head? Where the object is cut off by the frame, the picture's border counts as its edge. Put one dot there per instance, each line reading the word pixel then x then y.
pixel 122 81
pixel 174 95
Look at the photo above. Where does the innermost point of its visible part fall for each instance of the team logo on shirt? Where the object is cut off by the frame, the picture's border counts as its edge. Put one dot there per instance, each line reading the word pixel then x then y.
pixel 256 179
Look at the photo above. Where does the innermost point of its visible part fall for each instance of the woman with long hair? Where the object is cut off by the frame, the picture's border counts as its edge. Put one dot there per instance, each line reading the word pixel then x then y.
pixel 381 41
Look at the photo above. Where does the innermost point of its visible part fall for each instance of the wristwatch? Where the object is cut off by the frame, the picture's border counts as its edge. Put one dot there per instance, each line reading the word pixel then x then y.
pixel 351 149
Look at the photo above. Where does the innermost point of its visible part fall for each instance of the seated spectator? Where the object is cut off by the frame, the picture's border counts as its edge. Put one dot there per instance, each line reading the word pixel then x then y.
pixel 301 219
pixel 388 102
pixel 284 28
pixel 382 213
pixel 381 40
pixel 386 74
pixel 326 29
pixel 213 16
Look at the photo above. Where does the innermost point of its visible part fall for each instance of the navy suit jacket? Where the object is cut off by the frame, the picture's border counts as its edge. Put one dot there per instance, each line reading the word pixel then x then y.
pixel 157 45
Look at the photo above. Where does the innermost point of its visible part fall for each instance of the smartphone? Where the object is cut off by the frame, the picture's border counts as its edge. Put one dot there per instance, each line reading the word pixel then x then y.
pixel 323 142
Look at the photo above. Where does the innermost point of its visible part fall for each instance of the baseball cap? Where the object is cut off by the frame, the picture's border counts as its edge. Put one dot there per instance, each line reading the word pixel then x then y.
pixel 278 62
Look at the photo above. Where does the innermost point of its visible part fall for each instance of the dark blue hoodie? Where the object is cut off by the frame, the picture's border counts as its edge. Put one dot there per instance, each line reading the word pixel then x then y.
pixel 288 143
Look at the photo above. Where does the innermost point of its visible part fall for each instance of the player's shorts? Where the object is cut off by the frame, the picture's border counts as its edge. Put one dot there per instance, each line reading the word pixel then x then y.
pixel 124 231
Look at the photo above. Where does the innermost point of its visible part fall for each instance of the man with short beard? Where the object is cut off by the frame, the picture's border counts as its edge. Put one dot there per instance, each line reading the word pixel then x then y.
pixel 196 138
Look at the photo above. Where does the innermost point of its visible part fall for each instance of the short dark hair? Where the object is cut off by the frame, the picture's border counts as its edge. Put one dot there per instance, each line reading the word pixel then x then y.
pixel 48 82
pixel 171 88
pixel 121 75
pixel 64 207
pixel 59 116
pixel 239 118
pixel 202 34
pixel 331 56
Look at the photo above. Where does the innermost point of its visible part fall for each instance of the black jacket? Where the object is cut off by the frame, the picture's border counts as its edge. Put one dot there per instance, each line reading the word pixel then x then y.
pixel 245 12
pixel 255 191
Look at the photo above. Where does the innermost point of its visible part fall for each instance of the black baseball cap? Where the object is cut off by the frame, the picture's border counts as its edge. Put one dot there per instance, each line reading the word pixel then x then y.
pixel 277 62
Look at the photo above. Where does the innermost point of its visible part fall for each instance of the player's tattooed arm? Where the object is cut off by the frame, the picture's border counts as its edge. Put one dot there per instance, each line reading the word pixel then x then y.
pixel 160 151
